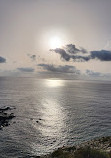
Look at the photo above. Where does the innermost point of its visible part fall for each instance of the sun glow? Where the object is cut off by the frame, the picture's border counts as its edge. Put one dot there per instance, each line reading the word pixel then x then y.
pixel 55 42
pixel 54 83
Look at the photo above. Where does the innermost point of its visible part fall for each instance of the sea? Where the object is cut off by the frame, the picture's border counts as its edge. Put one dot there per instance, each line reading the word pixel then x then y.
pixel 52 113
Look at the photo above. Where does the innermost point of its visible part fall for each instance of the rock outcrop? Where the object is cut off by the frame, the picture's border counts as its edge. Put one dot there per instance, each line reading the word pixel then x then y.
pixel 5 117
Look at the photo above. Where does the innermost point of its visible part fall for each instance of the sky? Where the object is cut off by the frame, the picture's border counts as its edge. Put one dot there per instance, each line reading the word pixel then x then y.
pixel 55 37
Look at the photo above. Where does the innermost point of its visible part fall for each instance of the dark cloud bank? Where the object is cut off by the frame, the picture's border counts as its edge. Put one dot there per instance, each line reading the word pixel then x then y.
pixel 25 69
pixel 67 69
pixel 2 60
pixel 73 71
pixel 60 69
pixel 81 55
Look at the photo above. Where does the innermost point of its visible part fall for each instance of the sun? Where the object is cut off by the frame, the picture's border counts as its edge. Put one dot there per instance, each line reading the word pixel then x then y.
pixel 55 42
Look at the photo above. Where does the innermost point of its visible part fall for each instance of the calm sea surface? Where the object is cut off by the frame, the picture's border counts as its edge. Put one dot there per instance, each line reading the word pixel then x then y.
pixel 51 113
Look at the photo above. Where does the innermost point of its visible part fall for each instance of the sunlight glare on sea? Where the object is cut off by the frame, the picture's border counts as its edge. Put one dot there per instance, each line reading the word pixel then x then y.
pixel 54 83
pixel 51 113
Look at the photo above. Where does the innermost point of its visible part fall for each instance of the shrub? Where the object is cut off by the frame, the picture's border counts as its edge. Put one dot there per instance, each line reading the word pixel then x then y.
pixel 61 154
pixel 87 152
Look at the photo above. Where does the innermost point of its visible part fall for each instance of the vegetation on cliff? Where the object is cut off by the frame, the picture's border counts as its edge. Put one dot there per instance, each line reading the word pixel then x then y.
pixel 97 148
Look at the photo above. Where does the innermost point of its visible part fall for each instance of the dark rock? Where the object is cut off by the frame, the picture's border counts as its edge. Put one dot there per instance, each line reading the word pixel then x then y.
pixel 5 109
pixel 5 117
pixel 5 113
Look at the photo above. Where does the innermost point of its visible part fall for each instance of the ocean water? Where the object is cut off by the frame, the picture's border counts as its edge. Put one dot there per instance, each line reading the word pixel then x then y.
pixel 51 113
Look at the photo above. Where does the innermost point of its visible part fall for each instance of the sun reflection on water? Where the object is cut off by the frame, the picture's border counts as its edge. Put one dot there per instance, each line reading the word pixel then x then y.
pixel 54 83
pixel 51 122
pixel 53 118
pixel 50 126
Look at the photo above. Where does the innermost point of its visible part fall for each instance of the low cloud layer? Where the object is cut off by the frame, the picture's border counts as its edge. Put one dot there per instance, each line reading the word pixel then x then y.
pixel 60 69
pixel 81 55
pixel 2 60
pixel 93 73
pixel 25 69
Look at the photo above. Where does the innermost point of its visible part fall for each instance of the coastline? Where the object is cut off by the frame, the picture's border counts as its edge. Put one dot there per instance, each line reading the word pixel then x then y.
pixel 102 145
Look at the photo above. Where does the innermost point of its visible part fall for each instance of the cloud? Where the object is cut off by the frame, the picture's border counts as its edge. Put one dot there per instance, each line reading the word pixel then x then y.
pixel 32 57
pixel 60 69
pixel 103 55
pixel 63 53
pixel 71 52
pixel 81 55
pixel 25 69
pixel 93 73
pixel 83 50
pixel 66 56
pixel 70 48
pixel 2 60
